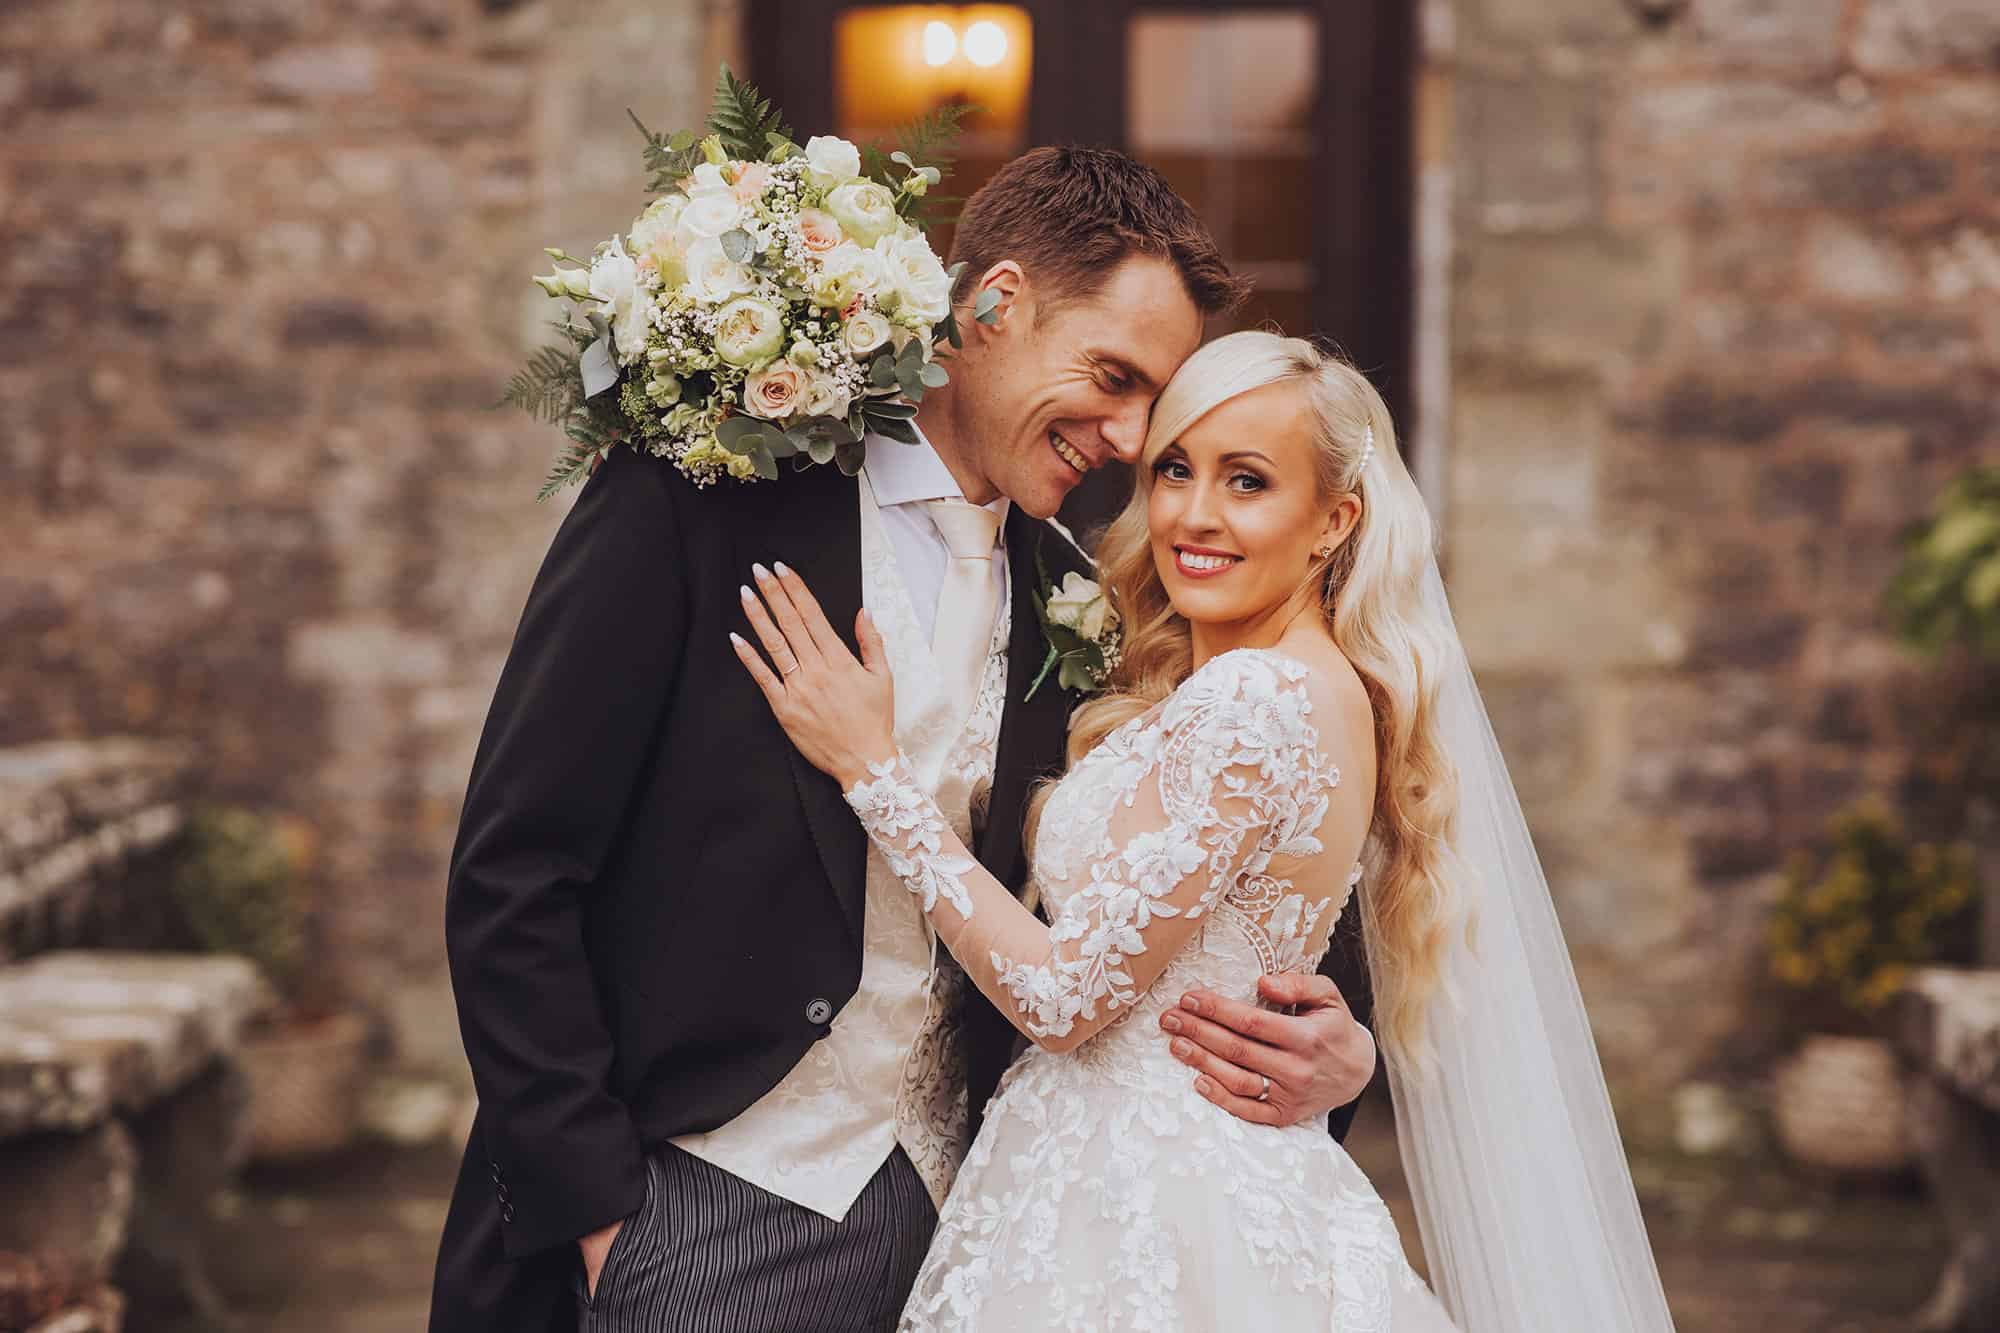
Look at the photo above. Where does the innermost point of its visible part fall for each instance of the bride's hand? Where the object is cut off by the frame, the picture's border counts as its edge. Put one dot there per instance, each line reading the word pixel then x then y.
pixel 840 712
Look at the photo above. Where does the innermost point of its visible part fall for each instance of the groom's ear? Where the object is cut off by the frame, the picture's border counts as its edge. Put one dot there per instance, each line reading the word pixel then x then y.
pixel 998 295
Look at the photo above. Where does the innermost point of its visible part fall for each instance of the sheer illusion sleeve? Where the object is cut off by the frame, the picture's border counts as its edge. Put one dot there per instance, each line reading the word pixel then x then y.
pixel 1186 809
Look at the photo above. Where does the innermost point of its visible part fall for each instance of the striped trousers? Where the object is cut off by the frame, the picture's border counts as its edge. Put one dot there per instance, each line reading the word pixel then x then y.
pixel 710 1253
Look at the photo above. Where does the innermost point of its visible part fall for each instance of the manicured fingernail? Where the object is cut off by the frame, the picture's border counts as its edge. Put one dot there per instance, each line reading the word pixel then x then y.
pixel 761 572
pixel 1181 1047
pixel 784 572
pixel 736 639
pixel 748 596
pixel 1191 1004
pixel 1203 1086
pixel 1171 1022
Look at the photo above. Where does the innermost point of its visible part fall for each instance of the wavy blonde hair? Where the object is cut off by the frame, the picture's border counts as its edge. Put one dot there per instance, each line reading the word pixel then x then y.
pixel 1371 596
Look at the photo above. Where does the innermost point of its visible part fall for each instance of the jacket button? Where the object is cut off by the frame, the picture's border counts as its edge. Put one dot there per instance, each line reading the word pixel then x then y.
pixel 818 1011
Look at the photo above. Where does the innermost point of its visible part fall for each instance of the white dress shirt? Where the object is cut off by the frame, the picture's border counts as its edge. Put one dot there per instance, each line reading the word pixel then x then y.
pixel 904 476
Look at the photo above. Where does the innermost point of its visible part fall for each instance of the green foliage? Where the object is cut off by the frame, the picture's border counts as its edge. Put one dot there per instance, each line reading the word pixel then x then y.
pixel 548 387
pixel 592 430
pixel 668 156
pixel 1852 921
pixel 236 887
pixel 744 119
pixel 926 146
pixel 1947 591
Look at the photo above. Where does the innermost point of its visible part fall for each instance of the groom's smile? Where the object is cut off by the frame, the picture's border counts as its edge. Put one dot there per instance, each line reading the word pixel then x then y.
pixel 1069 453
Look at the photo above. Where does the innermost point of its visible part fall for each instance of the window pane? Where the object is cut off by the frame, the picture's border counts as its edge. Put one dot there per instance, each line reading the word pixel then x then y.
pixel 1223 104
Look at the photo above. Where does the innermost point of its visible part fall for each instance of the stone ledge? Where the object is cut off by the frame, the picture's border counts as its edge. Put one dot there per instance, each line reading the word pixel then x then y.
pixel 1949 1026
pixel 72 814
pixel 84 1034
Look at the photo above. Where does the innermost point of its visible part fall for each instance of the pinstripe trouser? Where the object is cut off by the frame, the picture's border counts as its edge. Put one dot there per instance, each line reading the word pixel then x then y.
pixel 711 1253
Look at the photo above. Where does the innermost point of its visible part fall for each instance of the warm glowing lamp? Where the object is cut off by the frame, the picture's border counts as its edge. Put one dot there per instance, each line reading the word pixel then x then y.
pixel 985 44
pixel 941 43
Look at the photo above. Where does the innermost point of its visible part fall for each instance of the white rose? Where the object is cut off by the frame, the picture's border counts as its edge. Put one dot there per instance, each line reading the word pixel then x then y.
pixel 865 210
pixel 712 276
pixel 748 332
pixel 623 299
pixel 774 393
pixel 825 398
pixel 832 160
pixel 864 331
pixel 708 176
pixel 911 270
pixel 1081 605
pixel 708 213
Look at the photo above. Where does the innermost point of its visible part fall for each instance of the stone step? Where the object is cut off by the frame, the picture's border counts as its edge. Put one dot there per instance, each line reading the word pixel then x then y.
pixel 73 816
pixel 86 1033
pixel 1949 1024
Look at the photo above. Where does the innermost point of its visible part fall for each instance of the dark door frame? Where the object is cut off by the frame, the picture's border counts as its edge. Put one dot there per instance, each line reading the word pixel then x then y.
pixel 1363 187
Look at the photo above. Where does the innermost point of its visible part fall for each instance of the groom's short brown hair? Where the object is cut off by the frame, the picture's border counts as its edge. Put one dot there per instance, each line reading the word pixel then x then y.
pixel 1069 216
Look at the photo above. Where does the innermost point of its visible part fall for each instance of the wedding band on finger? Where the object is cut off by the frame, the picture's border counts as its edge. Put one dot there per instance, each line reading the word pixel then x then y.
pixel 1264 1095
pixel 787 672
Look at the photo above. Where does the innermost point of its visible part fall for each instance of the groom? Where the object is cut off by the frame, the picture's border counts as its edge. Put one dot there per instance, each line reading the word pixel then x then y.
pixel 724 1077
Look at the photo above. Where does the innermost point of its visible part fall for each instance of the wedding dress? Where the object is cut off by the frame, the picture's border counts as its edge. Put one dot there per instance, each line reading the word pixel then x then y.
pixel 1104 1192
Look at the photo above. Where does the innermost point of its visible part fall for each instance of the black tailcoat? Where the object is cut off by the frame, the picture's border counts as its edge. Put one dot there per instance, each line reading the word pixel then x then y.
pixel 654 905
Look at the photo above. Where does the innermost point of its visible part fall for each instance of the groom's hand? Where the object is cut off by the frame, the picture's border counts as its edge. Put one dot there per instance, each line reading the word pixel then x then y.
pixel 1315 1059
pixel 596 1247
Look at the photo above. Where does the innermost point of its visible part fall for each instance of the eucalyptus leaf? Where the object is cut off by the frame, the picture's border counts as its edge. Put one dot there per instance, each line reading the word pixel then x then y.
pixel 882 370
pixel 912 384
pixel 986 309
pixel 898 429
pixel 912 355
pixel 600 372
pixel 931 175
pixel 934 376
pixel 767 466
pixel 740 435
pixel 887 407
pixel 800 462
pixel 849 457
pixel 821 450
pixel 900 156
pixel 736 243
pixel 779 446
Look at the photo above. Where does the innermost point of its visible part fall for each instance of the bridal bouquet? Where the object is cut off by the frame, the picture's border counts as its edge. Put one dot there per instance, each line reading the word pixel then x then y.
pixel 772 302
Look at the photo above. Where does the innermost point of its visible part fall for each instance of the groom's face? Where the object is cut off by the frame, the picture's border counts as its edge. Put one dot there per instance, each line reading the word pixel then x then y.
pixel 1062 391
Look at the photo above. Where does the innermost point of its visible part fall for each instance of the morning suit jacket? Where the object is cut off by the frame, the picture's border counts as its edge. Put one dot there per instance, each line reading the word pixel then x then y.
pixel 654 902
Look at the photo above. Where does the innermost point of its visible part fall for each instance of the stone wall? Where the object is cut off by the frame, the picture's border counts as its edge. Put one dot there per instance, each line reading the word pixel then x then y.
pixel 1726 313
pixel 262 272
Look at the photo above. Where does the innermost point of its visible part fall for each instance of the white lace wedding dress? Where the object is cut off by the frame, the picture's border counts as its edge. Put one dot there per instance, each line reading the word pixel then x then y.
pixel 1103 1192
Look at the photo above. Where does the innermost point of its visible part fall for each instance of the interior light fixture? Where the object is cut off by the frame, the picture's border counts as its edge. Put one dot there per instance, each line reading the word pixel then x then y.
pixel 985 43
pixel 941 43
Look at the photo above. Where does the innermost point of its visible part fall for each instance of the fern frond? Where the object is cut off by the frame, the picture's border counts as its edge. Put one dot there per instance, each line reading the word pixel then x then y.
pixel 743 118
pixel 547 388
pixel 932 140
pixel 572 466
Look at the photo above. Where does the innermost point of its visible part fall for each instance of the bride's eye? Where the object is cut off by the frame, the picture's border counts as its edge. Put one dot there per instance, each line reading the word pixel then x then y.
pixel 1252 482
pixel 1173 469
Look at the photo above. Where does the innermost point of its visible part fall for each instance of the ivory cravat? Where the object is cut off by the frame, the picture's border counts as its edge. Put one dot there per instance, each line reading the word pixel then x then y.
pixel 965 604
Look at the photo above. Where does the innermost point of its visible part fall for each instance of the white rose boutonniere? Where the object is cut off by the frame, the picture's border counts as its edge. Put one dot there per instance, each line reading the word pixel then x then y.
pixel 1081 627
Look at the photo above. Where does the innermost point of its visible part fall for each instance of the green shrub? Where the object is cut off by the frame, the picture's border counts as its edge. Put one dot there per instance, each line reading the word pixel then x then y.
pixel 236 885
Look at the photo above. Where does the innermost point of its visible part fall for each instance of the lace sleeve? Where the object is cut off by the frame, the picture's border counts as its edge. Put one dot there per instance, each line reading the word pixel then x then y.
pixel 1231 780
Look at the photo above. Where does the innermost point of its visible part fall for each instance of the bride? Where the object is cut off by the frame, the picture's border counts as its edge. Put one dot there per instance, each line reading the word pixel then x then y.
pixel 1292 718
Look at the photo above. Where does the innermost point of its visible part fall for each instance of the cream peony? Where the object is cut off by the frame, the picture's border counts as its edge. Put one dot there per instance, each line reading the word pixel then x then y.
pixel 831 160
pixel 865 210
pixel 1080 605
pixel 712 276
pixel 864 331
pixel 708 213
pixel 911 270
pixel 748 332
pixel 845 272
pixel 623 299
pixel 774 393
pixel 656 225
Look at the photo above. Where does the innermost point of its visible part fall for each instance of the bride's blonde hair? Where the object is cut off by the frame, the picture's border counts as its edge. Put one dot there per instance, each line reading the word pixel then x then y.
pixel 1371 595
